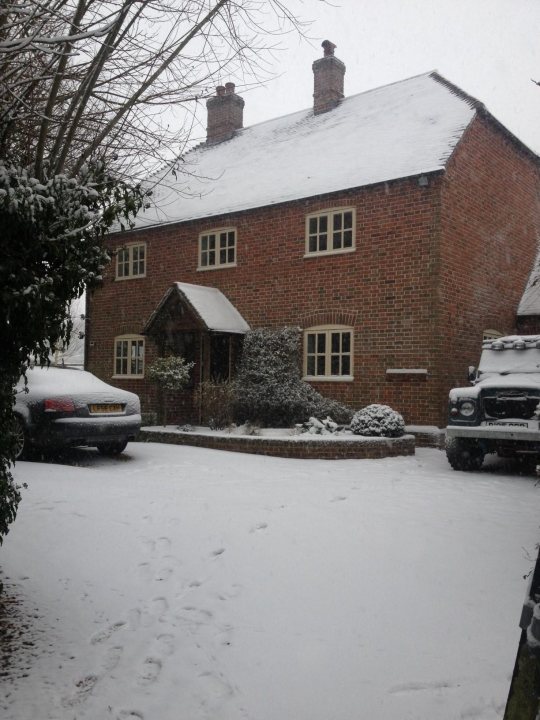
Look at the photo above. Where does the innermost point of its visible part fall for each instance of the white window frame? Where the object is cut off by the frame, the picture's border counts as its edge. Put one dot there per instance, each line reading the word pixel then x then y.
pixel 129 265
pixel 217 236
pixel 314 354
pixel 316 235
pixel 124 346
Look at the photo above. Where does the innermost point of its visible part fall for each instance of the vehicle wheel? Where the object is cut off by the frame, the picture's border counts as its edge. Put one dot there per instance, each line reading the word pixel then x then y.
pixel 21 441
pixel 464 454
pixel 113 448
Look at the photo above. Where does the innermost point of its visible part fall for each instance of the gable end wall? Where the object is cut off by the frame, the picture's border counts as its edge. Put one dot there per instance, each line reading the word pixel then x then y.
pixel 490 223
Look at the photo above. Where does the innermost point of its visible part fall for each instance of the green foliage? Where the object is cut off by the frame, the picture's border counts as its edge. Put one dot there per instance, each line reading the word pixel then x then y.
pixel 171 373
pixel 50 249
pixel 269 388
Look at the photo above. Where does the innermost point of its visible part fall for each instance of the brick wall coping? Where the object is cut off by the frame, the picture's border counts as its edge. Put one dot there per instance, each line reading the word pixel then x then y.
pixel 280 444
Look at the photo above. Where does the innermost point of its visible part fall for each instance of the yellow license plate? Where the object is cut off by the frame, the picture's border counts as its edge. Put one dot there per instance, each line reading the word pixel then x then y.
pixel 105 409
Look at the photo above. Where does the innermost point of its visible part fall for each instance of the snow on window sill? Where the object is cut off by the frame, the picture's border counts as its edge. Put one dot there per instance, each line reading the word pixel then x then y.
pixel 324 253
pixel 406 371
pixel 328 378
pixel 127 377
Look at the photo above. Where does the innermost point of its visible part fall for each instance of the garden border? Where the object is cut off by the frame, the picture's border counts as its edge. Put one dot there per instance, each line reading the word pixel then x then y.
pixel 297 446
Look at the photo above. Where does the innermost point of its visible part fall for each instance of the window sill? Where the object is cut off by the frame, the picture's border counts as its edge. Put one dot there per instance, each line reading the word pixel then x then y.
pixel 129 277
pixel 325 253
pixel 406 371
pixel 216 267
pixel 328 378
pixel 127 377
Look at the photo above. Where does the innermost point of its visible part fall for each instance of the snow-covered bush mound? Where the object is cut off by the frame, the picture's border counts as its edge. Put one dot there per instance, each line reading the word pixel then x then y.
pixel 314 426
pixel 378 421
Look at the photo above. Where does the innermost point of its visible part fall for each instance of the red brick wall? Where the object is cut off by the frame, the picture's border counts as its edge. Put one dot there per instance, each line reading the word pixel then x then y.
pixel 490 223
pixel 383 289
pixel 416 298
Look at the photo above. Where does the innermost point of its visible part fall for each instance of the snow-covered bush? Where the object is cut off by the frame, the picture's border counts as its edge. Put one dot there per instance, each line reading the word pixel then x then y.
pixel 269 388
pixel 378 421
pixel 314 426
pixel 172 372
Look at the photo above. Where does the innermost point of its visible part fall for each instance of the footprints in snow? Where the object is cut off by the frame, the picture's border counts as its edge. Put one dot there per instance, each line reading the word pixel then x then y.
pixel 84 687
pixel 161 564
pixel 106 633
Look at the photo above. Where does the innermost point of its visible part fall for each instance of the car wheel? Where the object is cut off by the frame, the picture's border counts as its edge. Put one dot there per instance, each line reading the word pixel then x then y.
pixel 21 441
pixel 464 454
pixel 113 448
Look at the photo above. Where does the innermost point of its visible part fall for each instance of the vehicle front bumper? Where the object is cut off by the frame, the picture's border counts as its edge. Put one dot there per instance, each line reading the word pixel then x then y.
pixel 493 432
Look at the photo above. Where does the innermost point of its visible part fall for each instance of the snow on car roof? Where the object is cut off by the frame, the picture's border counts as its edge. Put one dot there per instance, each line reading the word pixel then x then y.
pixel 63 381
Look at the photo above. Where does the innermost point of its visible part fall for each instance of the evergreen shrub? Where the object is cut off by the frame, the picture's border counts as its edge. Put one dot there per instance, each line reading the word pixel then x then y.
pixel 378 421
pixel 269 389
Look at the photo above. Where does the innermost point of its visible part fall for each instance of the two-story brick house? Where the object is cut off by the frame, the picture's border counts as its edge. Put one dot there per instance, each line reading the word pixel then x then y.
pixel 393 227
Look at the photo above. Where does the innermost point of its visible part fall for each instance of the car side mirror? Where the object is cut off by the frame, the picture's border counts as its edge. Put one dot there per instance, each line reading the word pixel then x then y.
pixel 473 374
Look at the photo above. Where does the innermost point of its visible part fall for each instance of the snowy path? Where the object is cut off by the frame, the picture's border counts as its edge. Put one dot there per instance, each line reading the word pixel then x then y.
pixel 181 583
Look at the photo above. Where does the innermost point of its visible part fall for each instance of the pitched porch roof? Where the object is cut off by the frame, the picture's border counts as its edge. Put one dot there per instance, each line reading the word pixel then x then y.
pixel 209 304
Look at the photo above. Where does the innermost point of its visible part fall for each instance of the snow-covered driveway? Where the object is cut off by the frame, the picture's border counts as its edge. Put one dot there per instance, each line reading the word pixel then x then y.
pixel 179 583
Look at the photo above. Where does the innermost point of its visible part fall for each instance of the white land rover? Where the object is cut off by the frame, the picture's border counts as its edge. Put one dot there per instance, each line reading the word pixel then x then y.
pixel 500 413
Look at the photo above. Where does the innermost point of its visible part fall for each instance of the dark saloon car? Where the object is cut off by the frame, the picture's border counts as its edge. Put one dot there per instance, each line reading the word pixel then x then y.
pixel 60 408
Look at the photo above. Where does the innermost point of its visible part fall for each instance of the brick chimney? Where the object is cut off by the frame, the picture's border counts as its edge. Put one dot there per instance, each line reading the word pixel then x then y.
pixel 225 114
pixel 328 74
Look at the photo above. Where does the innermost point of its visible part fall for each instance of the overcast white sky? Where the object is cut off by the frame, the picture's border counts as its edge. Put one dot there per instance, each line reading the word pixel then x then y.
pixel 490 48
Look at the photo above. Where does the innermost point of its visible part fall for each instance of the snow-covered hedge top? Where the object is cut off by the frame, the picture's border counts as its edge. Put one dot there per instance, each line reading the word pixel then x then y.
pixel 378 421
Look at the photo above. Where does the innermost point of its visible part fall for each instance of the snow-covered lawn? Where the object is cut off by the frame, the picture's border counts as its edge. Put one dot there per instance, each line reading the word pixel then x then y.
pixel 179 583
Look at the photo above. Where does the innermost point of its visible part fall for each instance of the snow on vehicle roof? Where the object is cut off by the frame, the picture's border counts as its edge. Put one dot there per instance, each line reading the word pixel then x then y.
pixel 512 342
pixel 400 130
pixel 64 381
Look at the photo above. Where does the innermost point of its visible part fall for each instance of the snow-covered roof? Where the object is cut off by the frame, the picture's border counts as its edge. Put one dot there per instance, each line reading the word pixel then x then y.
pixel 400 130
pixel 530 300
pixel 216 312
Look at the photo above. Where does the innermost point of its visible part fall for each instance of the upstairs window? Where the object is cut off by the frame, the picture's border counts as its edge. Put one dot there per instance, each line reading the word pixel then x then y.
pixel 131 261
pixel 217 248
pixel 331 231
pixel 129 356
pixel 328 353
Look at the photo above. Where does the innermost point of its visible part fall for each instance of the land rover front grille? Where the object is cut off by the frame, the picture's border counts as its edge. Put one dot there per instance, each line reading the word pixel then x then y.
pixel 514 403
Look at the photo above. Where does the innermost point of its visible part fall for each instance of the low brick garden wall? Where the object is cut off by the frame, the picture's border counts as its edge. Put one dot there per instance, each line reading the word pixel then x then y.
pixel 297 446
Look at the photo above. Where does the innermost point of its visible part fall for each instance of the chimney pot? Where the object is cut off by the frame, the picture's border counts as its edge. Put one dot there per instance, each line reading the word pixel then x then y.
pixel 220 90
pixel 328 47
pixel 229 87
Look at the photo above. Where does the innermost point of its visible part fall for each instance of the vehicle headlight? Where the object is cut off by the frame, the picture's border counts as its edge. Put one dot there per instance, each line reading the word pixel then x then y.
pixel 467 408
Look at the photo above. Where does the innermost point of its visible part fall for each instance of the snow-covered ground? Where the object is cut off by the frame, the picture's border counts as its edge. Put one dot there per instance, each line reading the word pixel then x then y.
pixel 178 583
